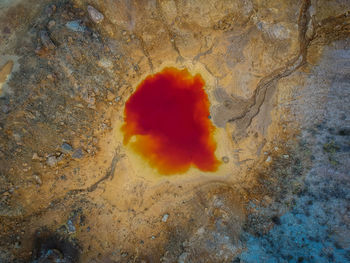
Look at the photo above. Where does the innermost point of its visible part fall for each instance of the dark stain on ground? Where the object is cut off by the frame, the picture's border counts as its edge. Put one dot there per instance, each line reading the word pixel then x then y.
pixel 51 247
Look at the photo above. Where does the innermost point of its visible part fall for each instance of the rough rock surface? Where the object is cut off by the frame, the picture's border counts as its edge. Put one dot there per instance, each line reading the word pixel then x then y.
pixel 277 76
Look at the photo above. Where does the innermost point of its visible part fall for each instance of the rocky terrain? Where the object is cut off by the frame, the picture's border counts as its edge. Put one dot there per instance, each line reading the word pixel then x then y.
pixel 277 75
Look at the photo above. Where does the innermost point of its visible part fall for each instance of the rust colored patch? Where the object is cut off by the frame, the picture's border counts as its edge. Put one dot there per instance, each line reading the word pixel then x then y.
pixel 166 121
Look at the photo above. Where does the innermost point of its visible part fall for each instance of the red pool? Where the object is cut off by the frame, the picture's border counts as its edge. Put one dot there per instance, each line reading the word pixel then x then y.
pixel 166 122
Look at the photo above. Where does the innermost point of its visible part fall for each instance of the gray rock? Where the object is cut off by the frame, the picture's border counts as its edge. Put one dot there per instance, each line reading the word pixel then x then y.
pixel 94 14
pixel 78 154
pixel 165 218
pixel 76 25
pixel 37 179
pixel 71 227
pixel 268 159
pixel 51 24
pixel 51 161
pixel 46 40
pixel 50 10
pixel 66 148
pixel 225 159
pixel 5 109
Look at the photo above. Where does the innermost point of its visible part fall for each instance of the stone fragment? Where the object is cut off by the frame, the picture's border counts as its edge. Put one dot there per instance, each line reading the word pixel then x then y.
pixel 76 25
pixel 225 159
pixel 4 108
pixel 51 24
pixel 67 148
pixel 51 161
pixel 165 218
pixel 50 10
pixel 37 179
pixel 78 154
pixel 50 77
pixel 27 169
pixel 46 40
pixel 110 96
pixel 94 14
pixel 71 227
pixel 105 63
pixel 17 137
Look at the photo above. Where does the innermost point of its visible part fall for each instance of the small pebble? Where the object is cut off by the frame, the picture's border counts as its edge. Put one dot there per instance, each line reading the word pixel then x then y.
pixel 285 156
pixel 71 227
pixel 51 161
pixel 94 14
pixel 50 10
pixel 36 157
pixel 51 24
pixel 225 159
pixel 78 154
pixel 17 137
pixel 110 96
pixel 76 25
pixel 27 169
pixel 37 179
pixel 165 218
pixel 67 148
pixel 46 40
pixel 5 109
pixel 269 159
